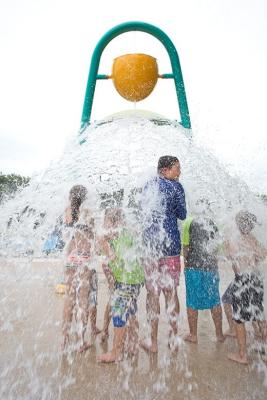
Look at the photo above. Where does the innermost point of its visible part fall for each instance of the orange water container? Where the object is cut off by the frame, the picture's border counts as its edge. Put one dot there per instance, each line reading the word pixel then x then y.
pixel 135 76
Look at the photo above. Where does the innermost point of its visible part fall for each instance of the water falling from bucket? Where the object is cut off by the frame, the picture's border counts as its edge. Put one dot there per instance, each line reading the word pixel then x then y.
pixel 115 160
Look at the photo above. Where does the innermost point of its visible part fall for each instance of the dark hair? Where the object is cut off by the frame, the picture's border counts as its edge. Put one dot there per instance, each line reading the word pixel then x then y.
pixel 77 196
pixel 166 162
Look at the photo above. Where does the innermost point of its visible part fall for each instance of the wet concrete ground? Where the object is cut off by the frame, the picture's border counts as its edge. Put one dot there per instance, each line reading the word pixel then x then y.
pixel 32 366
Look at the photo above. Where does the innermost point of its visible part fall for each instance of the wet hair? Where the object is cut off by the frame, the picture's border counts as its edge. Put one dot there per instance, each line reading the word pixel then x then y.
pixel 77 196
pixel 166 162
pixel 246 221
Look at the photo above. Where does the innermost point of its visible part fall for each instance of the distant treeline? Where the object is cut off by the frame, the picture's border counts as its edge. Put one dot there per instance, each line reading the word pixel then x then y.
pixel 10 183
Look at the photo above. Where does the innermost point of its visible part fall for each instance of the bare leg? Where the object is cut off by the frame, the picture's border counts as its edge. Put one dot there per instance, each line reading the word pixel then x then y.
pixel 69 304
pixel 216 313
pixel 107 318
pixel 241 356
pixel 132 342
pixel 229 315
pixel 192 316
pixel 67 319
pixel 117 349
pixel 177 302
pixel 153 311
pixel 83 311
pixel 93 314
pixel 172 306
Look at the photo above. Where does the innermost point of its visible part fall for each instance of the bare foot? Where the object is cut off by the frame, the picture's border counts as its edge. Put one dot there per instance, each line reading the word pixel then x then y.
pixel 106 358
pixel 84 347
pixel 221 338
pixel 237 358
pixel 230 333
pixel 191 338
pixel 149 347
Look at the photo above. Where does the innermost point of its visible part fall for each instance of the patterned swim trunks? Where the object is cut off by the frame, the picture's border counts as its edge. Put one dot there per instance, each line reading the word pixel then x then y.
pixel 247 295
pixel 124 303
pixel 92 301
pixel 163 274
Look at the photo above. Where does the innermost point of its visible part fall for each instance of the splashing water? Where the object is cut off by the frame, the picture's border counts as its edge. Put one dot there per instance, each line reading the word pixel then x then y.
pixel 114 161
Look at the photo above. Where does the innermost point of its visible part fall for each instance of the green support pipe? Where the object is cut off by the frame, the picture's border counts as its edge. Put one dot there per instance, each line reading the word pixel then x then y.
pixel 174 59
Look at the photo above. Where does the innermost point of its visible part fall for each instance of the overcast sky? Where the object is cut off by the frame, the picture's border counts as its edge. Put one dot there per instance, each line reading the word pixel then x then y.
pixel 46 47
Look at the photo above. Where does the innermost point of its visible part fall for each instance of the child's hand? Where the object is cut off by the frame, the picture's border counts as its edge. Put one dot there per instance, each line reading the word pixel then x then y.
pixel 111 282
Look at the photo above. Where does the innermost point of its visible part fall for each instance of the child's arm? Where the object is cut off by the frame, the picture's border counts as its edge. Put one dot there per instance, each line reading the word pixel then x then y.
pixel 260 252
pixel 230 252
pixel 105 249
pixel 180 205
pixel 67 232
pixel 185 238
pixel 67 216
pixel 109 275
pixel 185 254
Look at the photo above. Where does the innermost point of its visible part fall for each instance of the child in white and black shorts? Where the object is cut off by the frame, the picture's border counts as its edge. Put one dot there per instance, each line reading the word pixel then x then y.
pixel 246 291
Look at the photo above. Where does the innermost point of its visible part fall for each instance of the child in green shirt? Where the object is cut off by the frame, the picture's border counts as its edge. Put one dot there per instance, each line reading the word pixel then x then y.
pixel 128 277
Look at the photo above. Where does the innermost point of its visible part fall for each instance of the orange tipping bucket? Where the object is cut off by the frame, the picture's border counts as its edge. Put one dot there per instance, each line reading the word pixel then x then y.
pixel 135 75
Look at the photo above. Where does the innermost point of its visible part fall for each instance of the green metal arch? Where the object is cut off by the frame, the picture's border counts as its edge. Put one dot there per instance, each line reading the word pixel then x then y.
pixel 174 59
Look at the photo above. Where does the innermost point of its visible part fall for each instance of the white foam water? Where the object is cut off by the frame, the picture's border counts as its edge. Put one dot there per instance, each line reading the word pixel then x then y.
pixel 119 155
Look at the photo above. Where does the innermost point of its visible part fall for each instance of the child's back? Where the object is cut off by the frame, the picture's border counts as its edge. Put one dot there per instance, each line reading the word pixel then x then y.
pixel 244 249
pixel 203 243
pixel 168 207
pixel 125 266
pixel 82 234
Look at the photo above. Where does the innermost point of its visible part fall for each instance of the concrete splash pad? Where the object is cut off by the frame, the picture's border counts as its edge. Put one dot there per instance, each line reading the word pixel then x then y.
pixel 32 366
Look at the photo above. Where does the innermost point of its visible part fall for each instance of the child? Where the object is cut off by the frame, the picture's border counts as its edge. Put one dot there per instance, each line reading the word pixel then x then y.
pixel 163 203
pixel 92 304
pixel 128 279
pixel 79 270
pixel 246 253
pixel 200 244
